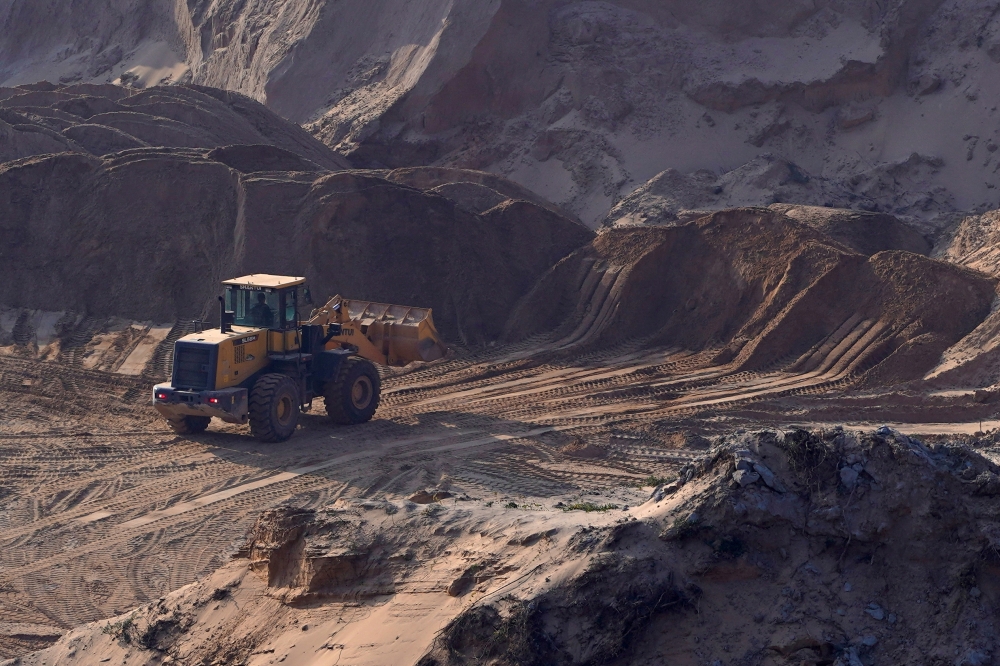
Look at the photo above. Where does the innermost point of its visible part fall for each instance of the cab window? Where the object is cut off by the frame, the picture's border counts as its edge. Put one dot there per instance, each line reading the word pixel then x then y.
pixel 290 298
pixel 254 308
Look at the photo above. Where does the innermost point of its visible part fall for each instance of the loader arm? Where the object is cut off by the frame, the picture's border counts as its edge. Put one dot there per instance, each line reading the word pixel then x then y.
pixel 385 334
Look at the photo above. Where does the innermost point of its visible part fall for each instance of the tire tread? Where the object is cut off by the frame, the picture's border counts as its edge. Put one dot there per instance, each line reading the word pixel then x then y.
pixel 261 397
pixel 336 405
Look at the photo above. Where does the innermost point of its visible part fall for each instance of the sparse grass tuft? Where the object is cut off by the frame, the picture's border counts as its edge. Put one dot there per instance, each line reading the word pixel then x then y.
pixel 653 481
pixel 125 631
pixel 681 529
pixel 589 507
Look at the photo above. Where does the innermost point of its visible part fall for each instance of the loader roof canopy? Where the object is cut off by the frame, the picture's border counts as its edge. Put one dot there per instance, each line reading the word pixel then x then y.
pixel 265 280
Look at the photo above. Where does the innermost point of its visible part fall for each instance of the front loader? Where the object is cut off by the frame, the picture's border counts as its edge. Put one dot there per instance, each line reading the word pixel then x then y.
pixel 263 366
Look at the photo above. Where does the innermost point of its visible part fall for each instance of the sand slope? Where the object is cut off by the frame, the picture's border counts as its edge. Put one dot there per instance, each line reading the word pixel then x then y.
pixel 888 106
pixel 149 233
pixel 104 119
pixel 763 289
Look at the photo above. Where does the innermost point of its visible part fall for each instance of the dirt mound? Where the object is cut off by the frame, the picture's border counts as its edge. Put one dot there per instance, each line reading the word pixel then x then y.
pixel 473 197
pixel 457 182
pixel 148 234
pixel 673 197
pixel 249 158
pixel 101 139
pixel 777 548
pixel 106 119
pixel 973 242
pixel 975 360
pixel 764 289
pixel 581 102
pixel 592 619
pixel 901 188
pixel 867 233
pixel 282 547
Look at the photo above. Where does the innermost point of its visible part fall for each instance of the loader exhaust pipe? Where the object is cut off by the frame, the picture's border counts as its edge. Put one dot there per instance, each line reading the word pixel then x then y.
pixel 226 318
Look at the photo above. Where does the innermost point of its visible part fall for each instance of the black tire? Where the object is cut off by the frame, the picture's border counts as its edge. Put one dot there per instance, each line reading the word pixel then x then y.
pixel 189 425
pixel 354 395
pixel 274 408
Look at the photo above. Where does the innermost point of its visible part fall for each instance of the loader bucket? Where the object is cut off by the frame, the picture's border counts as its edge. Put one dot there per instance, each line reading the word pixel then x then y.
pixel 403 334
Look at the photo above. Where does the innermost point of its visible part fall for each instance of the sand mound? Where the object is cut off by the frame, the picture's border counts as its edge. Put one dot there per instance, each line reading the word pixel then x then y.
pixel 867 233
pixel 762 287
pixel 101 139
pixel 671 197
pixel 148 234
pixel 585 101
pixel 973 242
pixel 250 158
pixel 473 197
pixel 974 361
pixel 457 182
pixel 831 548
pixel 105 119
pixel 674 198
pixel 776 548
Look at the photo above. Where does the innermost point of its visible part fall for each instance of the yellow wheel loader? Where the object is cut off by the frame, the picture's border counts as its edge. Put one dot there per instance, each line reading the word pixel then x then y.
pixel 263 365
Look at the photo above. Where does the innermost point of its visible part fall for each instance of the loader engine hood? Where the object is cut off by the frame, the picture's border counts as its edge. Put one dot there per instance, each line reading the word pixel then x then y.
pixel 214 360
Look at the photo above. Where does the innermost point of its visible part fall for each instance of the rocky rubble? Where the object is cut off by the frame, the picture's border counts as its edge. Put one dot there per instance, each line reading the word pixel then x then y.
pixel 798 547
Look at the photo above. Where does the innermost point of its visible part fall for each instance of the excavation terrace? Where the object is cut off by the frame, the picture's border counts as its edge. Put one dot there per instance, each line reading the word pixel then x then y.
pixel 679 422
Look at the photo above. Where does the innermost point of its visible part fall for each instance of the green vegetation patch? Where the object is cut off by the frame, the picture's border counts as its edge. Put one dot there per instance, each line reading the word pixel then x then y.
pixel 589 507
pixel 655 481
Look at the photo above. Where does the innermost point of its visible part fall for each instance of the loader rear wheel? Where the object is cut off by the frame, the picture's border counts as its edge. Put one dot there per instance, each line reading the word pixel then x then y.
pixel 354 395
pixel 189 425
pixel 274 408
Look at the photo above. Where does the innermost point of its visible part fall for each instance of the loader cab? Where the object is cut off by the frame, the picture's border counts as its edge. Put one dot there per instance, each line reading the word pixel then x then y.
pixel 264 301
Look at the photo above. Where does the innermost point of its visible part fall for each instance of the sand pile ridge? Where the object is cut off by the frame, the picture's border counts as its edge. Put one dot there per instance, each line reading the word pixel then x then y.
pixel 149 233
pixel 583 102
pixel 100 119
pixel 765 290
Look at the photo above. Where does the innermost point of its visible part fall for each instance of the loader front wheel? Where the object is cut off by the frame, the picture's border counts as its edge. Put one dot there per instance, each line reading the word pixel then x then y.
pixel 274 408
pixel 189 425
pixel 354 396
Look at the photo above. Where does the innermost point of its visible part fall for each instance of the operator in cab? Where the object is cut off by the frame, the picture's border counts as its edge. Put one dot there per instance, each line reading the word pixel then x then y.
pixel 261 314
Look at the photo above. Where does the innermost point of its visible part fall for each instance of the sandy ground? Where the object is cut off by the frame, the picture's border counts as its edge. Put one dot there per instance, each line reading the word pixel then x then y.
pixel 104 509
